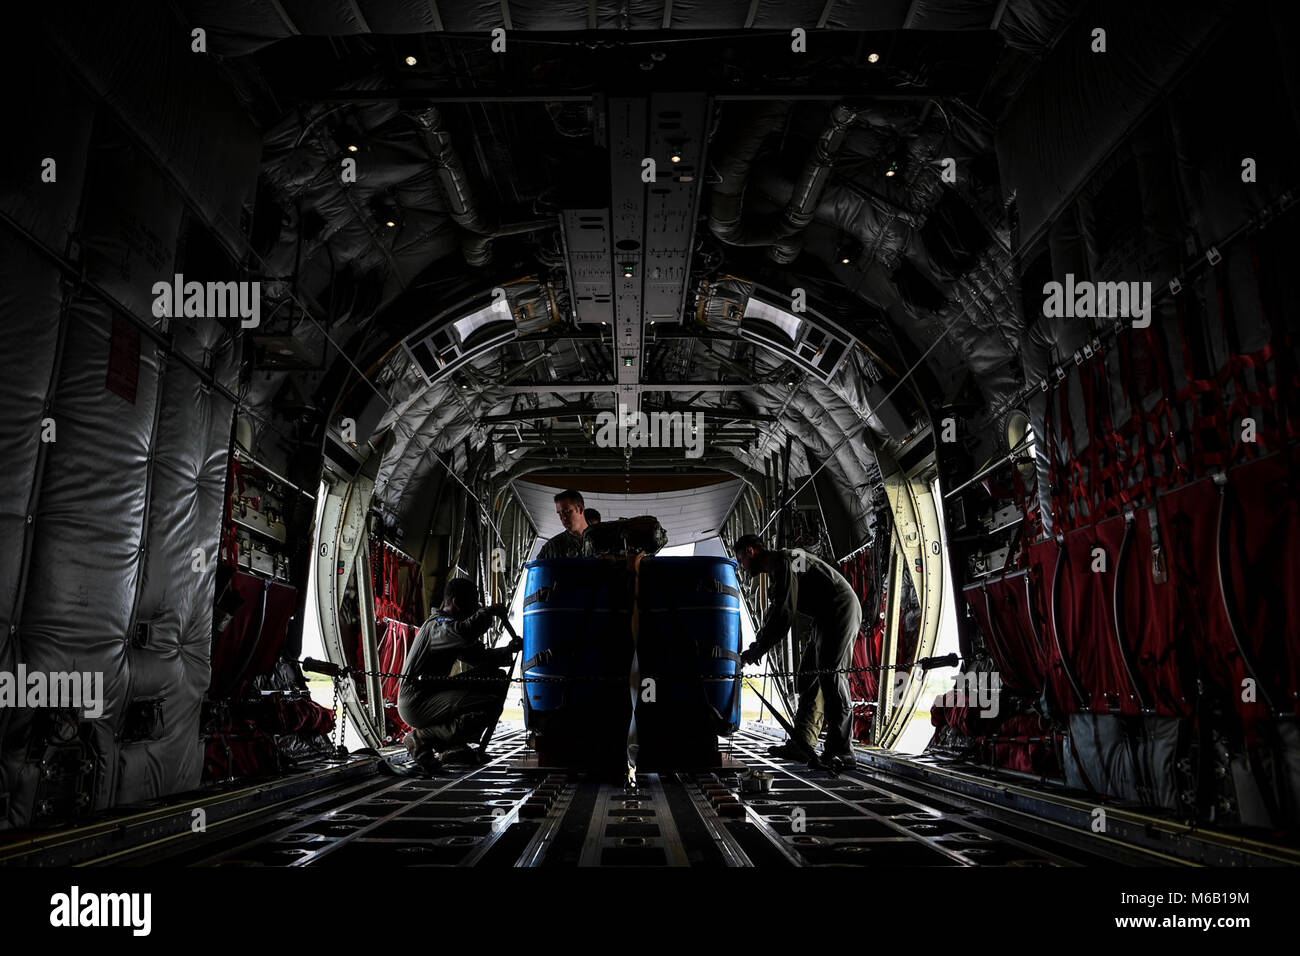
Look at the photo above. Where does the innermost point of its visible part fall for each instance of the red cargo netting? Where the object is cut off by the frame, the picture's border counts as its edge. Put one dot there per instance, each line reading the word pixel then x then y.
pixel 397 584
pixel 861 571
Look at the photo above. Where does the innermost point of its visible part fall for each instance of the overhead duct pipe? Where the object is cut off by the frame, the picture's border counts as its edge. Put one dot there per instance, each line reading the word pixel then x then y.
pixel 462 206
pixel 733 167
pixel 808 189
pixel 478 248
pixel 726 216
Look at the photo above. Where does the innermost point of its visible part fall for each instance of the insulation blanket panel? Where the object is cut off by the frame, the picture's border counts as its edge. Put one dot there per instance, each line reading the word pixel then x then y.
pixel 1080 103
pixel 116 450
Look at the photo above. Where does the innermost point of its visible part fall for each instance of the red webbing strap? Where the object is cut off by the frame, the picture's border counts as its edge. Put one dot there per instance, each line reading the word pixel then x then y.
pixel 1286 388
pixel 1053 467
pixel 1267 439
pixel 1233 369
pixel 377 588
pixel 379 611
pixel 1087 386
pixel 1032 522
pixel 1237 361
pixel 404 599
pixel 1269 429
pixel 414 588
pixel 1213 424
pixel 1077 491
pixel 1138 421
pixel 391 585
pixel 1195 386
pixel 1162 417
pixel 392 568
pixel 1281 406
pixel 1118 471
pixel 1113 474
pixel 229 540
pixel 997 648
pixel 1271 400
pixel 389 588
pixel 391 599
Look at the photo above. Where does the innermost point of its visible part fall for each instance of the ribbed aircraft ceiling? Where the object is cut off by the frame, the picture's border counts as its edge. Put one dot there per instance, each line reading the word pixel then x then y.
pixel 479 169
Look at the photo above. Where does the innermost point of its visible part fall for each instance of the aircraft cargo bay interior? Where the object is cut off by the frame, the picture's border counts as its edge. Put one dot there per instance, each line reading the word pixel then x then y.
pixel 553 434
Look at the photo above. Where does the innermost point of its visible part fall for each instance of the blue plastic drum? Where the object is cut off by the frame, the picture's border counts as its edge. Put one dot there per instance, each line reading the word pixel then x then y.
pixel 689 642
pixel 577 626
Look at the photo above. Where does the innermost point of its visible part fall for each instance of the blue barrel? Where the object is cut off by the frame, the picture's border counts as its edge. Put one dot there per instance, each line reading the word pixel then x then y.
pixel 577 625
pixel 688 639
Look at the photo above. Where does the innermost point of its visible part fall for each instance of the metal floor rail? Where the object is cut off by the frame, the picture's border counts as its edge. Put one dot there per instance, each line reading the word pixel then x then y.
pixel 891 811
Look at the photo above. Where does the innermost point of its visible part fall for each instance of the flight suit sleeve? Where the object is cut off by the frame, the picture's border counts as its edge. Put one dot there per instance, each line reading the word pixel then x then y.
pixel 470 632
pixel 411 666
pixel 780 607
pixel 498 657
pixel 477 624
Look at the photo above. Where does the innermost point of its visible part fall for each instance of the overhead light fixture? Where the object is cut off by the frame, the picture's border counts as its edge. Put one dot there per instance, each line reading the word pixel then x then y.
pixel 893 168
pixel 848 251
pixel 627 361
pixel 628 270
pixel 675 156
pixel 873 57
pixel 411 61
pixel 347 135
pixel 386 211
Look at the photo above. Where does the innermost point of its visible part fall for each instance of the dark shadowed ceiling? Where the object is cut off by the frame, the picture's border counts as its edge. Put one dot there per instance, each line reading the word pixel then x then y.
pixel 518 169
